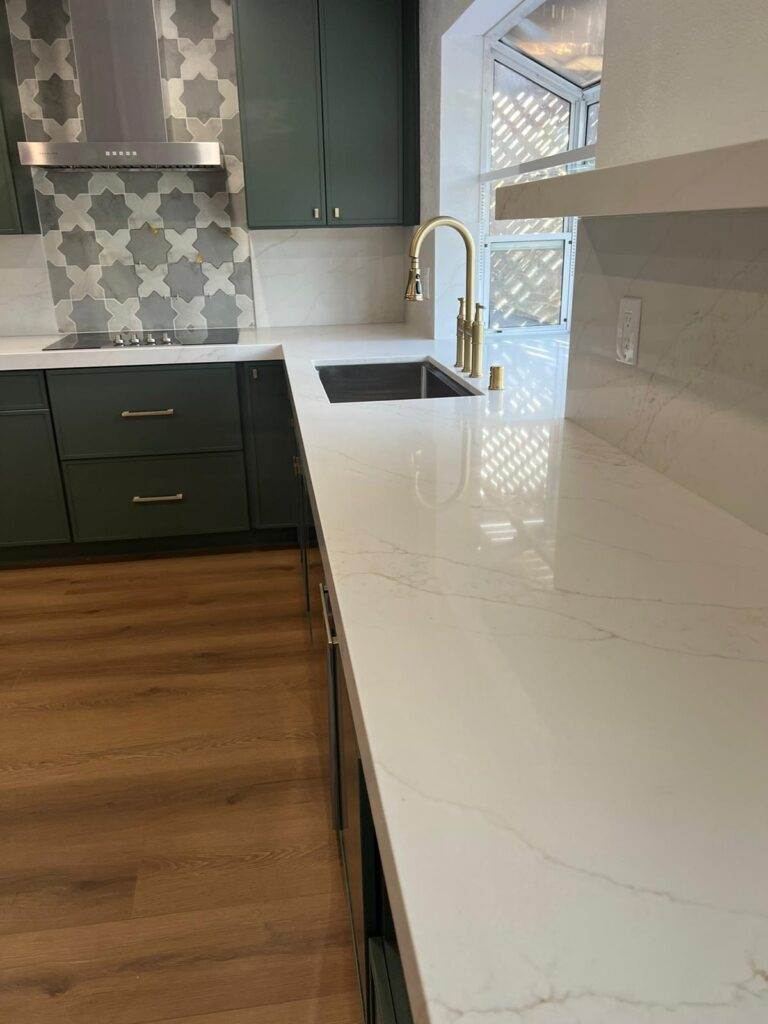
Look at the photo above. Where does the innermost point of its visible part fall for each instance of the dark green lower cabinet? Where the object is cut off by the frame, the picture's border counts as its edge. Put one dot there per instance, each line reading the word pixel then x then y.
pixel 32 508
pixel 269 444
pixel 382 982
pixel 135 453
pixel 164 496
pixel 389 999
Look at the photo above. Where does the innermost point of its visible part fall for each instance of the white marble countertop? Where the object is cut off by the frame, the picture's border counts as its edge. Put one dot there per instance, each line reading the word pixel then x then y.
pixel 559 665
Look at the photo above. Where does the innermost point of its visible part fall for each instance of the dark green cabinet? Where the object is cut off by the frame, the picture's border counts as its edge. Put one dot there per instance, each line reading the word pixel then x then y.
pixel 145 410
pixel 363 109
pixel 18 209
pixel 383 990
pixel 137 452
pixel 329 111
pixel 167 496
pixel 9 211
pixel 32 508
pixel 269 444
pixel 355 832
pixel 278 63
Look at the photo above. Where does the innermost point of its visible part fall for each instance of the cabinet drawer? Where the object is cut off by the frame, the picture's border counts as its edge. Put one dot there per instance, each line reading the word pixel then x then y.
pixel 22 390
pixel 145 410
pixel 118 499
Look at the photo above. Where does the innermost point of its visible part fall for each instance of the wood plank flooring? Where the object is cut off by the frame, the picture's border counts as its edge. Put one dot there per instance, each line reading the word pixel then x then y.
pixel 165 853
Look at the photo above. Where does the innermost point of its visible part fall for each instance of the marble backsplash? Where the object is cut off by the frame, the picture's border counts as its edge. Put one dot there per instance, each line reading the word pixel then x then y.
pixel 329 276
pixel 26 307
pixel 696 406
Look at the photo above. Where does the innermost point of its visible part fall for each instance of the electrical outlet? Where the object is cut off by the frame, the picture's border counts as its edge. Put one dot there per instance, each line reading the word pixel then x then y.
pixel 628 330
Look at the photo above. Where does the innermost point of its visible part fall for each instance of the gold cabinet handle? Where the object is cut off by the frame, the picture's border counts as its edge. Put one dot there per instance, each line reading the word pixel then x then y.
pixel 144 414
pixel 156 499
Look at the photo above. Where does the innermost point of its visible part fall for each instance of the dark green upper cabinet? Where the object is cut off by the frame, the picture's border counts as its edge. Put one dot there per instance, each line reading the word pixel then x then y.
pixel 329 111
pixel 363 109
pixel 18 210
pixel 9 211
pixel 278 66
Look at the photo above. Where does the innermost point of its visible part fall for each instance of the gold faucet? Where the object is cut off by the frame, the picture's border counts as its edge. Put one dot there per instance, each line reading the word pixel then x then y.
pixel 469 334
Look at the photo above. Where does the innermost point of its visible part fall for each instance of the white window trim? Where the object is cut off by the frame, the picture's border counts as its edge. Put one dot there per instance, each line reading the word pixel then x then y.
pixel 580 99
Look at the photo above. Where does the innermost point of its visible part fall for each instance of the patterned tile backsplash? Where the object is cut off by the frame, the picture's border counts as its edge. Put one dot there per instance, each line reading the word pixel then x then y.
pixel 141 249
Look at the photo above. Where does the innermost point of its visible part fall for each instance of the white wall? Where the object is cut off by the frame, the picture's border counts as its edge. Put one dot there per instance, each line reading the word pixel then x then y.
pixel 26 306
pixel 451 54
pixel 682 76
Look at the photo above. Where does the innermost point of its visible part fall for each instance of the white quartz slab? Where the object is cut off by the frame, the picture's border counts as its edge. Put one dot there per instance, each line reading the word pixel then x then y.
pixel 560 683
pixel 558 666
pixel 727 178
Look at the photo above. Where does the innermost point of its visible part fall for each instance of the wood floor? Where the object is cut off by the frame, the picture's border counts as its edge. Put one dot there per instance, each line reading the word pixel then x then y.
pixel 165 853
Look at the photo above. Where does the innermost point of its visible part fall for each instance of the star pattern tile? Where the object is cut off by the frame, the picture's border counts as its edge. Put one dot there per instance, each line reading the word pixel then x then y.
pixel 141 248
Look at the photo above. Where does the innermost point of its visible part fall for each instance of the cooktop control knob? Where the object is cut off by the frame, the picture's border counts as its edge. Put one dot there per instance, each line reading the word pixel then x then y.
pixel 118 340
pixel 134 340
pixel 166 340
pixel 150 339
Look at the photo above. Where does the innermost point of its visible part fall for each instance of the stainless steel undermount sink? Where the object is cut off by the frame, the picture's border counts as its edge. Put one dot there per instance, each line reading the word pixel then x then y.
pixel 383 382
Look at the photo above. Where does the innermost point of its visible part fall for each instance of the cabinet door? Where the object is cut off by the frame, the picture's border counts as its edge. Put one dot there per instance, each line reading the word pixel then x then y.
pixel 9 214
pixel 280 112
pixel 361 46
pixel 269 445
pixel 358 844
pixel 32 509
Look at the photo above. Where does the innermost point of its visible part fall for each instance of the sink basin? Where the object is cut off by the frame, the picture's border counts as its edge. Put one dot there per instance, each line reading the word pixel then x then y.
pixel 382 382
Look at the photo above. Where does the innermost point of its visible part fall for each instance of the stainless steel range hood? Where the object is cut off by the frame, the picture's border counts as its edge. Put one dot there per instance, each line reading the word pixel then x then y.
pixel 118 66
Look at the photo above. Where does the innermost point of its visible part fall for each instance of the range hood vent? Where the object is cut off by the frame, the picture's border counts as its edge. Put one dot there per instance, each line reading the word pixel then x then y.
pixel 118 66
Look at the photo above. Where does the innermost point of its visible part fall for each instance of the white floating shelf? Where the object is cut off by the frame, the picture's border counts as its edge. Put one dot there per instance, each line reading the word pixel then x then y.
pixel 728 178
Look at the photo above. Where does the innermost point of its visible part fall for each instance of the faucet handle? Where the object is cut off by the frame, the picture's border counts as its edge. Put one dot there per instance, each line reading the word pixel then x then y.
pixel 461 325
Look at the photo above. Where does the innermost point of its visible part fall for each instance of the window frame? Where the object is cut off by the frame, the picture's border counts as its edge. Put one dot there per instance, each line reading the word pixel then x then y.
pixel 494 52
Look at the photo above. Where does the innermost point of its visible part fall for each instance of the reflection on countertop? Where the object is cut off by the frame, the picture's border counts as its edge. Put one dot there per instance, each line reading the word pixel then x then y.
pixel 559 674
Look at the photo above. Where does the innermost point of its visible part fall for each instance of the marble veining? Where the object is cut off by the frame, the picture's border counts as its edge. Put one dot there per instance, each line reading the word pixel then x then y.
pixel 558 668
pixel 329 275
pixel 26 306
pixel 560 661
pixel 696 406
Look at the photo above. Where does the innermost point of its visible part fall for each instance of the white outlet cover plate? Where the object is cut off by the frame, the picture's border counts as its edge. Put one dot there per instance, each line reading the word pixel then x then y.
pixel 628 330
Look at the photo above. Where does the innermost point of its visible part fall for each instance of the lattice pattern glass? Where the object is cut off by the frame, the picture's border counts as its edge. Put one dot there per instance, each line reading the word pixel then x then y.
pixel 528 122
pixel 593 116
pixel 526 286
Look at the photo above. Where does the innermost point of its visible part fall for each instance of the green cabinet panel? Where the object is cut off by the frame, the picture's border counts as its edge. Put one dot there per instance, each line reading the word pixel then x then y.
pixel 175 495
pixel 278 65
pixel 361 44
pixel 329 111
pixel 22 389
pixel 32 509
pixel 18 208
pixel 269 444
pixel 9 212
pixel 145 410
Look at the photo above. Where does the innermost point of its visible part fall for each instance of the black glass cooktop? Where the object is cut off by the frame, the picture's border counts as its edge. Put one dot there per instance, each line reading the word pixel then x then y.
pixel 148 339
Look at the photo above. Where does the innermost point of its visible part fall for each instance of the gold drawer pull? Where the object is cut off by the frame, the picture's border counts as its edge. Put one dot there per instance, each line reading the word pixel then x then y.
pixel 128 414
pixel 156 499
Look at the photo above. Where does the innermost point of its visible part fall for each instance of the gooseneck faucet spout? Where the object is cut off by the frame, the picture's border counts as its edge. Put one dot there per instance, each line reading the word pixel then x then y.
pixel 469 335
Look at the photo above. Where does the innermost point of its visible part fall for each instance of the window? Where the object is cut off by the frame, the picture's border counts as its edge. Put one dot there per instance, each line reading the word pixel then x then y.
pixel 541 99
pixel 565 36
